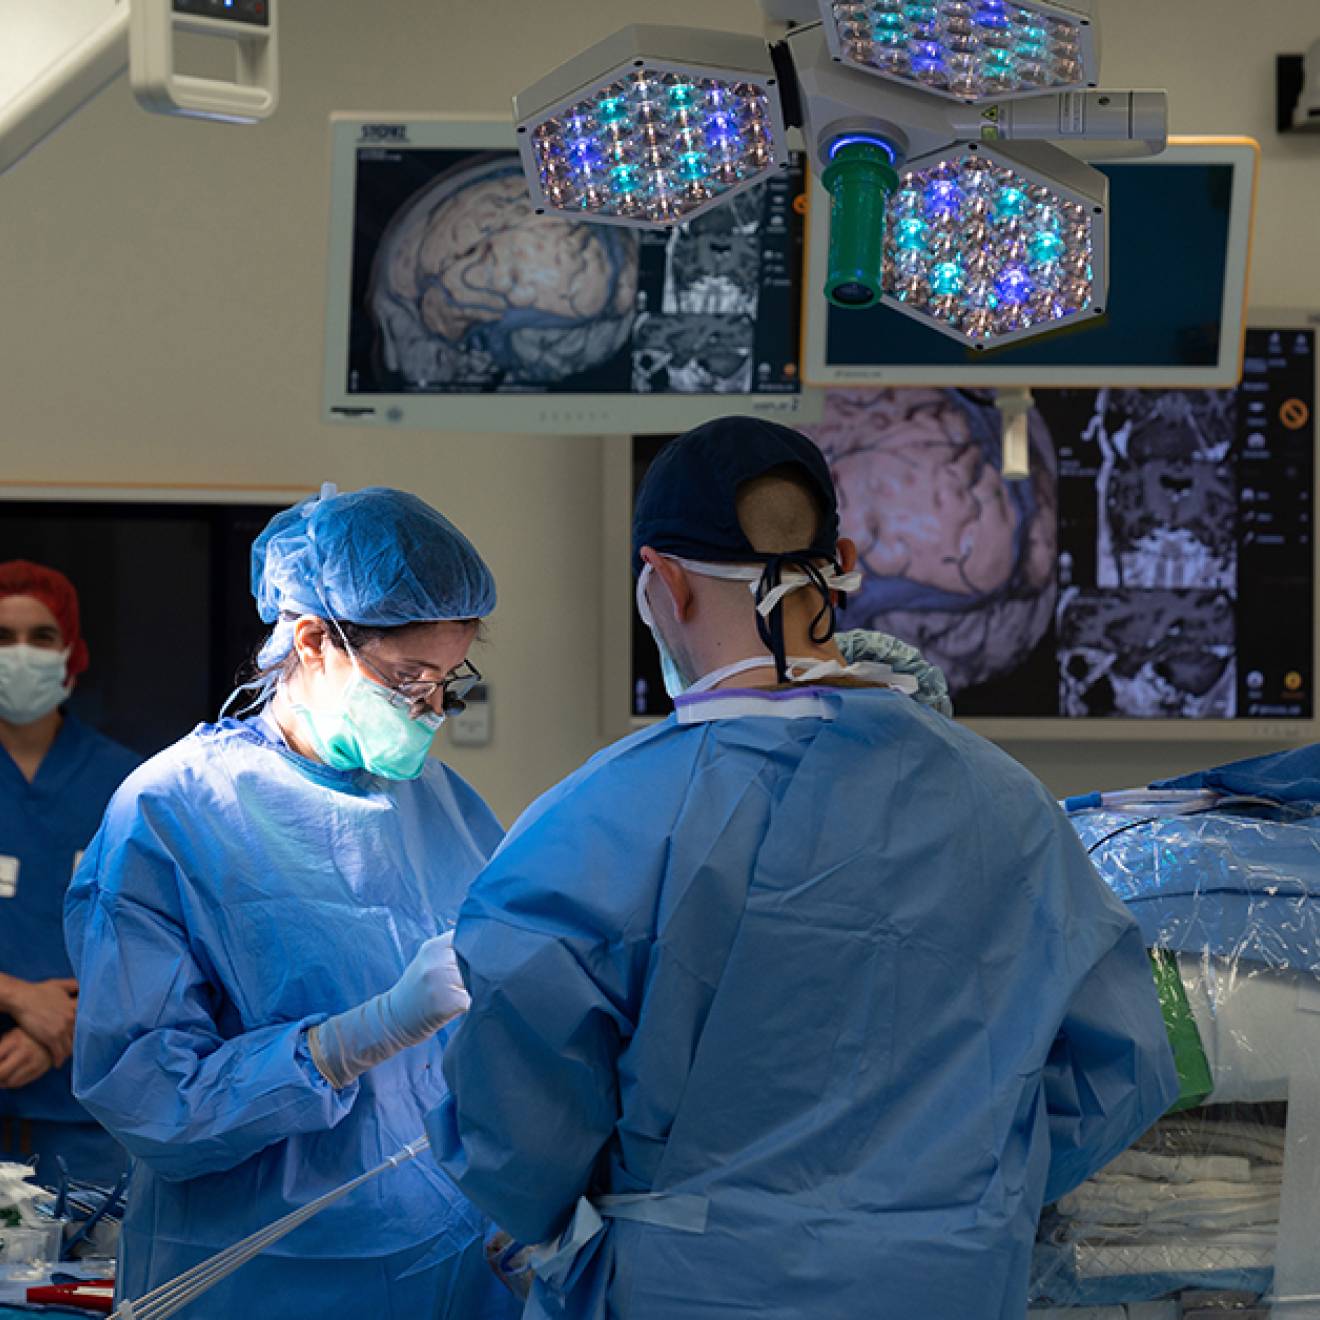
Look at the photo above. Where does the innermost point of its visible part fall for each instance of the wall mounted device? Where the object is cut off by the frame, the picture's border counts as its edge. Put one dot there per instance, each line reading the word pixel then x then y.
pixel 1297 83
pixel 251 26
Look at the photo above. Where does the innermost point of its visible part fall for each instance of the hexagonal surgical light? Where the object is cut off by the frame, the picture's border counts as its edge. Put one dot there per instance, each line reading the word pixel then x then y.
pixel 991 245
pixel 973 50
pixel 652 126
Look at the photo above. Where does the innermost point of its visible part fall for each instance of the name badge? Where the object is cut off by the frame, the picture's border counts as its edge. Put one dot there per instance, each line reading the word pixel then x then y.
pixel 8 877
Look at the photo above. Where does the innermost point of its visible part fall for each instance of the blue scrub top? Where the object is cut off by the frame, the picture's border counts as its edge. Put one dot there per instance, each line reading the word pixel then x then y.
pixel 236 895
pixel 825 987
pixel 44 827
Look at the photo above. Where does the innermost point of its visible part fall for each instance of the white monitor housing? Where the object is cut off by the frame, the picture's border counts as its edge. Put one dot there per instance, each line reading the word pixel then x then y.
pixel 438 262
pixel 617 608
pixel 1077 359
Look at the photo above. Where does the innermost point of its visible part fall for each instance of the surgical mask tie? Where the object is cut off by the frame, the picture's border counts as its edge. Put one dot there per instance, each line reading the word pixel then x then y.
pixel 768 599
pixel 33 682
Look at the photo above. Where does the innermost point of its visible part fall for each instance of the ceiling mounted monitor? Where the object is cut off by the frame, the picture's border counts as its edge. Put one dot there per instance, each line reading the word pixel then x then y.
pixel 1180 228
pixel 455 306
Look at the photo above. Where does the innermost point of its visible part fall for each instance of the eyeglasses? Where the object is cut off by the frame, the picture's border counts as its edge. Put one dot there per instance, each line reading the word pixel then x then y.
pixel 417 695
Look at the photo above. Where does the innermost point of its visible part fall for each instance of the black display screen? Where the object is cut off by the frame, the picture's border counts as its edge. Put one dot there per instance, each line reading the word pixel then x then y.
pixel 166 608
pixel 254 12
pixel 1168 241
pixel 1158 564
pixel 458 287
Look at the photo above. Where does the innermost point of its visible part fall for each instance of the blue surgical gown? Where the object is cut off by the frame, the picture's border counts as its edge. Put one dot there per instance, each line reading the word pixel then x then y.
pixel 44 827
pixel 822 982
pixel 236 895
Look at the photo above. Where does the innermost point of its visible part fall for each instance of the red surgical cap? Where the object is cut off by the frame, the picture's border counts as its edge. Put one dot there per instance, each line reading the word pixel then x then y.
pixel 18 577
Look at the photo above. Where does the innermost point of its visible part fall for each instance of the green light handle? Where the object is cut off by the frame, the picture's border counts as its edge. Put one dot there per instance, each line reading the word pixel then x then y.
pixel 861 179
pixel 1194 1080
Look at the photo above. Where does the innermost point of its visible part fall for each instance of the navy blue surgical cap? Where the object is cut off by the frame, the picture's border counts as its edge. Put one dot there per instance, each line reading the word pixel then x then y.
pixel 688 502
pixel 377 557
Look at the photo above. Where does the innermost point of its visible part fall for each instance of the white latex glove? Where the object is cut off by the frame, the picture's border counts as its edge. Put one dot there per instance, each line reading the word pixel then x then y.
pixel 428 996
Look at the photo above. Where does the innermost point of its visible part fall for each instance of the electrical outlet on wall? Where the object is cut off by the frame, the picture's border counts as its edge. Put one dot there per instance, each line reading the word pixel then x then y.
pixel 471 727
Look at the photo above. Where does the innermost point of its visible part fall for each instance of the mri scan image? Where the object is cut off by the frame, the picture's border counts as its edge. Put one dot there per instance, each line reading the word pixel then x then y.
pixel 693 354
pixel 471 288
pixel 956 560
pixel 713 263
pixel 1167 492
pixel 1147 654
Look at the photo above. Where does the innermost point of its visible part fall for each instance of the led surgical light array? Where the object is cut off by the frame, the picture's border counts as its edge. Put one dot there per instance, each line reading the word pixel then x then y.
pixel 642 130
pixel 930 124
pixel 970 49
pixel 654 145
pixel 980 250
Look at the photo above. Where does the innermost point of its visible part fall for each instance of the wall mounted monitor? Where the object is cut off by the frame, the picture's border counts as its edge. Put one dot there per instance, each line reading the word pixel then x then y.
pixel 1180 245
pixel 163 582
pixel 453 306
pixel 1154 578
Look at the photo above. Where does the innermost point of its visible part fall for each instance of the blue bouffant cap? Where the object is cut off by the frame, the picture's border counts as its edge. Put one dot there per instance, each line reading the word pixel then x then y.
pixel 376 557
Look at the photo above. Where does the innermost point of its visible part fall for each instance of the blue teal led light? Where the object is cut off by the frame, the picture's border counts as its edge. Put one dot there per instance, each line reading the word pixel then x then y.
pixel 1046 248
pixel 910 234
pixel 946 279
pixel 1010 203
pixel 1014 286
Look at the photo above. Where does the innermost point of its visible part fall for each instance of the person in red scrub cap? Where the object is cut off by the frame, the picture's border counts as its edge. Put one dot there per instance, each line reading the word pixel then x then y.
pixel 56 779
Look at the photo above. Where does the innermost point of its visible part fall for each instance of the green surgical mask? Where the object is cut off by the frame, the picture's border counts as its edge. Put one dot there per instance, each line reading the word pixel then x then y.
pixel 365 730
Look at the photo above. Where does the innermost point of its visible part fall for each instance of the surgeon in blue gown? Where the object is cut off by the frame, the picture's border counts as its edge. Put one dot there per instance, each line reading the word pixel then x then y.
pixel 803 1002
pixel 262 931
pixel 56 776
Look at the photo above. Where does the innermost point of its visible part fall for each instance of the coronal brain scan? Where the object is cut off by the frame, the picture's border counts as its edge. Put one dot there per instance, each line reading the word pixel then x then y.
pixel 1148 654
pixel 714 265
pixel 1167 488
pixel 1156 564
pixel 459 286
pixel 693 354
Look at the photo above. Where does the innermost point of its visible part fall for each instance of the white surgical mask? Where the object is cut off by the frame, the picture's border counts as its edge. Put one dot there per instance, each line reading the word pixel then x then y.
pixel 33 682
pixel 676 683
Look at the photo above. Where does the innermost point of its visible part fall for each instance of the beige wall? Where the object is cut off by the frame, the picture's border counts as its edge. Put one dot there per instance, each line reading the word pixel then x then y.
pixel 162 285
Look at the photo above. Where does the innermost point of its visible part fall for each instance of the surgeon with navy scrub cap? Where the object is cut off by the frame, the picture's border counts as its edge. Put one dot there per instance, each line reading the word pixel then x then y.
pixel 803 1002
pixel 262 931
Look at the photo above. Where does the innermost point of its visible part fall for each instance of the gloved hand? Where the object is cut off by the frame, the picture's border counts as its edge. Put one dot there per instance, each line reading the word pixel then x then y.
pixel 429 995
pixel 932 686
